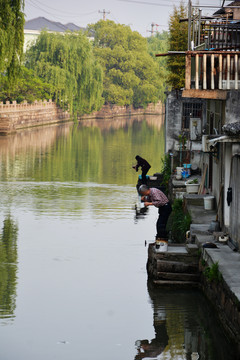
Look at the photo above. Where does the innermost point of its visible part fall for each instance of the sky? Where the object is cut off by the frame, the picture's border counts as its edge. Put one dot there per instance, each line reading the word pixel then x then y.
pixel 138 16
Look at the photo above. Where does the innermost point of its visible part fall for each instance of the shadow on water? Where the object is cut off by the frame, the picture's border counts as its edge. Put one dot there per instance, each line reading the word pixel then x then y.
pixel 8 266
pixel 185 328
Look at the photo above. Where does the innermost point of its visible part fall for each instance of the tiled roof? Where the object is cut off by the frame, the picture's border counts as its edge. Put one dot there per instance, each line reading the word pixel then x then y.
pixel 41 23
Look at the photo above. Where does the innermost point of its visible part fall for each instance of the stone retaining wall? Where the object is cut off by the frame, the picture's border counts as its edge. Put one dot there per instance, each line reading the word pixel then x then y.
pixel 226 304
pixel 111 111
pixel 18 116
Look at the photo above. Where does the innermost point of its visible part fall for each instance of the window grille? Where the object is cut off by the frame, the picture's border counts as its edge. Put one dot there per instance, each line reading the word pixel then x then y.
pixel 190 110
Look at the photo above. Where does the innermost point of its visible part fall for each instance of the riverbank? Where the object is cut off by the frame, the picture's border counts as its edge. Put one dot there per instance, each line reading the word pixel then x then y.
pixel 14 117
pixel 218 264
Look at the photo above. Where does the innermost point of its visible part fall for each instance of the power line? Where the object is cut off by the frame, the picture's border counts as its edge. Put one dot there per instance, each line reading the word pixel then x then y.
pixel 104 12
pixel 35 3
pixel 147 3
pixel 67 12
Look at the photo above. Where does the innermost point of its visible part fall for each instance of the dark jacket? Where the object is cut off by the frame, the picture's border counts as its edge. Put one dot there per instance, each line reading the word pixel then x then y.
pixel 143 164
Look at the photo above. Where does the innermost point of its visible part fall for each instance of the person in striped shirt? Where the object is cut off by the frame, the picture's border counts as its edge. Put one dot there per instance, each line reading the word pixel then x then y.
pixel 155 197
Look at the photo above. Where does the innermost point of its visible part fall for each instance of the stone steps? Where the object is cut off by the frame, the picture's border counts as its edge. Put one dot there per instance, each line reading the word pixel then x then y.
pixel 173 276
pixel 176 283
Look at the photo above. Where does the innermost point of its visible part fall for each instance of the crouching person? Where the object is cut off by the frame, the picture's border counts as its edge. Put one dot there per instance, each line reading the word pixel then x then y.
pixel 158 199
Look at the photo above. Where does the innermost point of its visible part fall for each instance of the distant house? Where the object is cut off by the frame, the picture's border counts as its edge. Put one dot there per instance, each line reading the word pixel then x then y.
pixel 33 28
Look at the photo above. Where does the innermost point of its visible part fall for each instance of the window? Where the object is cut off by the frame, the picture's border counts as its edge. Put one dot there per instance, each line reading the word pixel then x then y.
pixel 190 110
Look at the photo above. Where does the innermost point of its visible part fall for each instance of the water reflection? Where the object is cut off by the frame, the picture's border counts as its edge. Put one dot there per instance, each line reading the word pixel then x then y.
pixel 8 268
pixel 92 151
pixel 185 328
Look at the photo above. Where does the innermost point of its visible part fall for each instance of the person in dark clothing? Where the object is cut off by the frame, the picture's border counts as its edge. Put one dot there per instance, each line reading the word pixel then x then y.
pixel 158 199
pixel 145 166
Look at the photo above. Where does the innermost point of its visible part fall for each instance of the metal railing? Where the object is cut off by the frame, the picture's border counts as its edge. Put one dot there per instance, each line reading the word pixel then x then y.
pixel 212 70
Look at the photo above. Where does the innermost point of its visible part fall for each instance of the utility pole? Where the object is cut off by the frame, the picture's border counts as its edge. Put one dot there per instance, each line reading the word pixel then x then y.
pixel 104 12
pixel 152 31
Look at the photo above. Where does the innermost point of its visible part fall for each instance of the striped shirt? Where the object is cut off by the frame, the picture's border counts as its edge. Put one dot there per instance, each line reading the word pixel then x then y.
pixel 157 197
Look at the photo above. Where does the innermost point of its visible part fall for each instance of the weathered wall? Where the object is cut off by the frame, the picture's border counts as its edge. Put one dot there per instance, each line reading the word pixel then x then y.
pixel 232 109
pixel 174 115
pixel 234 228
pixel 18 116
pixel 173 119
pixel 226 304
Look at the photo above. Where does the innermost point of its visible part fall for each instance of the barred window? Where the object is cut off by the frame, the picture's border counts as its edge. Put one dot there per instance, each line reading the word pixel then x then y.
pixel 190 110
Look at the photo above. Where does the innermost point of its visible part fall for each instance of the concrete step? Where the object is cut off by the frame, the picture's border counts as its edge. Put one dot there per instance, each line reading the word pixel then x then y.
pixel 192 249
pixel 194 199
pixel 201 239
pixel 201 229
pixel 176 267
pixel 176 283
pixel 177 276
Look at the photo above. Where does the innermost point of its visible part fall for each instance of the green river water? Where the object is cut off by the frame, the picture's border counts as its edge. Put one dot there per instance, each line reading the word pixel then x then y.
pixel 73 282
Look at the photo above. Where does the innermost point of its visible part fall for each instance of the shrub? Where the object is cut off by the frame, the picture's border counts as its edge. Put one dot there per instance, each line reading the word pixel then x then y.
pixel 179 222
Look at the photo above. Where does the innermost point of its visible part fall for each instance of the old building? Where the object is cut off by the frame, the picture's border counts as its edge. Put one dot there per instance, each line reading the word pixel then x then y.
pixel 207 110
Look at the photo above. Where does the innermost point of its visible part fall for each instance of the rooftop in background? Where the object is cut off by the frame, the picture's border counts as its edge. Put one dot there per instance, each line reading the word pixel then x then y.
pixel 33 28
pixel 41 23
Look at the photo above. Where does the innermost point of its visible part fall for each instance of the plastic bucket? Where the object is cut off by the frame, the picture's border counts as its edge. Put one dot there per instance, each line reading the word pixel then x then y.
pixel 161 246
pixel 179 173
pixel 209 202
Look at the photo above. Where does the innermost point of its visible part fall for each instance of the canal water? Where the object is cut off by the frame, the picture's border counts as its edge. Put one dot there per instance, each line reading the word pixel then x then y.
pixel 73 283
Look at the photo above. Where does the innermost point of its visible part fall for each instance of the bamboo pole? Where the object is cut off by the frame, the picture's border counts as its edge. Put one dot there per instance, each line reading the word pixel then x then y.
pixel 188 73
pixel 212 72
pixel 236 72
pixel 220 72
pixel 197 72
pixel 228 71
pixel 204 72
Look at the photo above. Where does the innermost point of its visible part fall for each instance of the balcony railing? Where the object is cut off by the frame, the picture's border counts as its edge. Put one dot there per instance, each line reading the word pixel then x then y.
pixel 212 70
pixel 221 36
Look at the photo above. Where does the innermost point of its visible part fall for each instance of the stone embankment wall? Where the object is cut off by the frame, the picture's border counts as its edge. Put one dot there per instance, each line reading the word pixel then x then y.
pixel 226 304
pixel 18 116
pixel 111 111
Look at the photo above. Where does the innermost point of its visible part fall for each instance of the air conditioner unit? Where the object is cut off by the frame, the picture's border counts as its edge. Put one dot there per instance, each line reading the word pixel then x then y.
pixel 195 129
pixel 205 144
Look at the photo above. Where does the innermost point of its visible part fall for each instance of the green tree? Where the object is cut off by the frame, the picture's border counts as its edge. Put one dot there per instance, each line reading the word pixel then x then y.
pixel 68 64
pixel 160 44
pixel 11 36
pixel 26 87
pixel 178 37
pixel 131 74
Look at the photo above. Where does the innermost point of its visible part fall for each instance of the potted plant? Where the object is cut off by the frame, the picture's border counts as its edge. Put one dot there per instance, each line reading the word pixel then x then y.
pixel 192 186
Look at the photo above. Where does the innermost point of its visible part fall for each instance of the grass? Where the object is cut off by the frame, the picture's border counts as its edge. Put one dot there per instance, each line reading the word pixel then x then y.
pixel 212 273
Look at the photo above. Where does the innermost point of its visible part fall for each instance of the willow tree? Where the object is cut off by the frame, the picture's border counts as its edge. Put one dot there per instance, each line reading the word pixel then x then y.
pixel 68 64
pixel 178 37
pixel 11 36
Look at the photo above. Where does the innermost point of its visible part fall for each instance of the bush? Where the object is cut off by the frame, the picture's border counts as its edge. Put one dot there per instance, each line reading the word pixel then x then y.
pixel 166 161
pixel 179 222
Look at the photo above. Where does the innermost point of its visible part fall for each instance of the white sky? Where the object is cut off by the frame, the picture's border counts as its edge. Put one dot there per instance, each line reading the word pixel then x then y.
pixel 82 12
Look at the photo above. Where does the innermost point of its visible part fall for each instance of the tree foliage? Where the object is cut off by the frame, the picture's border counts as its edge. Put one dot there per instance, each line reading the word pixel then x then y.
pixel 178 38
pixel 159 44
pixel 131 74
pixel 26 87
pixel 68 64
pixel 11 36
